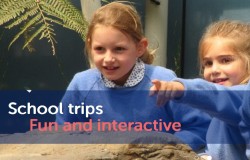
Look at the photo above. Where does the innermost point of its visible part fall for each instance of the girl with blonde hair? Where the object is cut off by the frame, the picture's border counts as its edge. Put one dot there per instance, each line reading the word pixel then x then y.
pixel 224 53
pixel 121 80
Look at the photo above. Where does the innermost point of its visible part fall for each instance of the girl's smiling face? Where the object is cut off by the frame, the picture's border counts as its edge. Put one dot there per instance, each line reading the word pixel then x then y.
pixel 114 53
pixel 222 65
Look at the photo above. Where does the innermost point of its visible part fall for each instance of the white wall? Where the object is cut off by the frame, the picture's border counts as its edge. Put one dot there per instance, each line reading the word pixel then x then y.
pixel 156 29
pixel 89 7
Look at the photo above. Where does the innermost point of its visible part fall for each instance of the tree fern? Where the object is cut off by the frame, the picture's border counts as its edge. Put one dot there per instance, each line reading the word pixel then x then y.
pixel 38 16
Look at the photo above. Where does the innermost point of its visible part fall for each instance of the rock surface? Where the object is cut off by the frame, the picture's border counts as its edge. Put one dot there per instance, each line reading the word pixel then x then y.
pixel 96 152
pixel 87 146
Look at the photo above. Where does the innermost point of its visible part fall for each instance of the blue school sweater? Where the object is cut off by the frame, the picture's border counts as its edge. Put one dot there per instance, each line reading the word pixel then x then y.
pixel 224 140
pixel 133 104
pixel 245 119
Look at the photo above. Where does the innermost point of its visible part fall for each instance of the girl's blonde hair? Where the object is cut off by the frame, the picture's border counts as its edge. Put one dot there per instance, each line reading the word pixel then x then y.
pixel 237 33
pixel 123 17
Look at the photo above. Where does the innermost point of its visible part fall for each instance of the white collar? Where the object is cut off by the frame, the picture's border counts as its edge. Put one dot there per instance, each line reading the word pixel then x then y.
pixel 134 78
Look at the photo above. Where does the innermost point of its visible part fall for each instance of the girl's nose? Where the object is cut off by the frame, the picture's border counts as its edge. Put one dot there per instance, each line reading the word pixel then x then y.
pixel 109 58
pixel 215 69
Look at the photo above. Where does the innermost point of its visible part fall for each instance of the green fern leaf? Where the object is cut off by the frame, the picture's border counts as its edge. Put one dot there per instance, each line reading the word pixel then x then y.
pixel 38 17
pixel 10 10
pixel 34 35
pixel 26 27
pixel 71 17
pixel 33 11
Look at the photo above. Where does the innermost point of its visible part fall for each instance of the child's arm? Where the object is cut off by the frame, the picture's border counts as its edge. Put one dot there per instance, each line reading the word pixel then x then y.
pixel 217 100
pixel 245 119
pixel 194 124
pixel 245 126
pixel 74 95
pixel 166 91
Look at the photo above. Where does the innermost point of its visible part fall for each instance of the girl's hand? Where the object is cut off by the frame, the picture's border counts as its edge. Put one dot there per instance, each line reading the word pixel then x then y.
pixel 166 91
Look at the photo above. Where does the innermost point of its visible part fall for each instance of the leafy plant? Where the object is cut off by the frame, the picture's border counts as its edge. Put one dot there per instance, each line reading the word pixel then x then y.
pixel 37 17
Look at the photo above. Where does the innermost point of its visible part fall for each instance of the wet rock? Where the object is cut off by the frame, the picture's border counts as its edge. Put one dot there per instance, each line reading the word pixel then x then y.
pixel 94 146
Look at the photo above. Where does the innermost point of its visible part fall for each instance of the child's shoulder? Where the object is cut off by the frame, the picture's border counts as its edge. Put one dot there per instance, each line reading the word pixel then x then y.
pixel 85 79
pixel 88 74
pixel 158 72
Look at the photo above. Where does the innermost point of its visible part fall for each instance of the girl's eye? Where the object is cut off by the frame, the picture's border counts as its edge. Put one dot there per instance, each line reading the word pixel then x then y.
pixel 226 60
pixel 99 49
pixel 119 49
pixel 207 63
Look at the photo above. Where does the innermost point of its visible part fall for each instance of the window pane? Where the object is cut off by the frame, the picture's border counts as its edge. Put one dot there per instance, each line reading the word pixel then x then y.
pixel 199 14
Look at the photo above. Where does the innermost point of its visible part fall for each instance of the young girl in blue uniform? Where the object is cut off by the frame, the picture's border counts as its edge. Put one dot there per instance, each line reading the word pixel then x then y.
pixel 122 76
pixel 224 53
